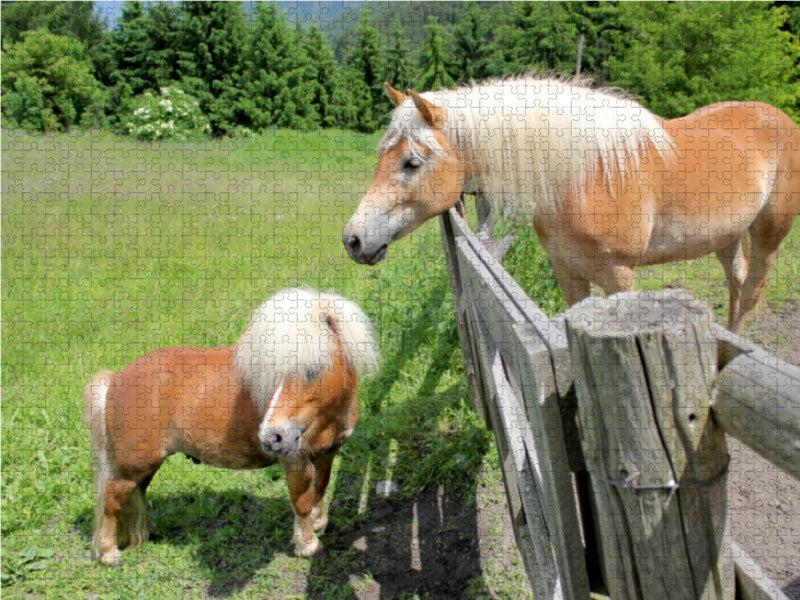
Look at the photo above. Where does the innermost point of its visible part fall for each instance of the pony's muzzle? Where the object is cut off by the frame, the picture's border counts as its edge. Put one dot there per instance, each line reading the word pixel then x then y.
pixel 282 441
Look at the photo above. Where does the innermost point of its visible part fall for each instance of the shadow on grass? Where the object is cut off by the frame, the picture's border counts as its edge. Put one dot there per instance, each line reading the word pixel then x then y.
pixel 233 534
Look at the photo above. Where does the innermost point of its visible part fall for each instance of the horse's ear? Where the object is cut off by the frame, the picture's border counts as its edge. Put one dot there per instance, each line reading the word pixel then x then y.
pixel 434 115
pixel 396 96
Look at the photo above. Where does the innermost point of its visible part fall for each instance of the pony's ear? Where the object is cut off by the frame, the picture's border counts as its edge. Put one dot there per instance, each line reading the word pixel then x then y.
pixel 435 116
pixel 396 96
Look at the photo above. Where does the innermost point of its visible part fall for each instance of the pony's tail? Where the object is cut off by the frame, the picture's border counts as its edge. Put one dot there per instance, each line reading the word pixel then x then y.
pixel 356 331
pixel 133 527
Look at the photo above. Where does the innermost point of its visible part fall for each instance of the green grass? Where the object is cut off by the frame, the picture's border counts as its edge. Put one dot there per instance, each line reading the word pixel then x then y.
pixel 113 247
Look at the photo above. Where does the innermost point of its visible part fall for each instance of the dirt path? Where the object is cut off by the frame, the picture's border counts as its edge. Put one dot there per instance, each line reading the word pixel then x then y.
pixel 765 501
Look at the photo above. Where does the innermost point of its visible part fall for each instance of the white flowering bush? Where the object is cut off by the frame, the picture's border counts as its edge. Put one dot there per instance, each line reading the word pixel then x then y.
pixel 173 114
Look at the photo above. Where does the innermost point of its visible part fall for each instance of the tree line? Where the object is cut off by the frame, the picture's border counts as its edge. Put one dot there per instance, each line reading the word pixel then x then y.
pixel 172 69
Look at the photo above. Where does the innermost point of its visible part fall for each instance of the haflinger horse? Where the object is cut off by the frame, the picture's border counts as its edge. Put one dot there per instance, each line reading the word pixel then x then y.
pixel 286 392
pixel 609 185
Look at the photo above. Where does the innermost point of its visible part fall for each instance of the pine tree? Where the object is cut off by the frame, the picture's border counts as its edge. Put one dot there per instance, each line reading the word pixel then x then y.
pixel 212 38
pixel 399 70
pixel 130 46
pixel 683 56
pixel 323 76
pixel 435 69
pixel 365 77
pixel 471 45
pixel 541 36
pixel 269 55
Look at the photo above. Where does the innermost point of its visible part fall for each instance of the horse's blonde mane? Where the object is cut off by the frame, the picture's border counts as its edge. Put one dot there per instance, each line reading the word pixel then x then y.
pixel 289 334
pixel 533 138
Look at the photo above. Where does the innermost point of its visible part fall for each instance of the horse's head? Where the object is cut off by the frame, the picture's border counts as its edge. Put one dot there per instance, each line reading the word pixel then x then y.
pixel 311 412
pixel 419 176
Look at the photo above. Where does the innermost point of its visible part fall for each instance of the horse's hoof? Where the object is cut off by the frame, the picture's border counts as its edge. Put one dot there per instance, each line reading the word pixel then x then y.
pixel 308 550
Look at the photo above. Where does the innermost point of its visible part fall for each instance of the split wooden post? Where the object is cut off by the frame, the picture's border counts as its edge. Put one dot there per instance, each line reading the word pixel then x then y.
pixel 643 363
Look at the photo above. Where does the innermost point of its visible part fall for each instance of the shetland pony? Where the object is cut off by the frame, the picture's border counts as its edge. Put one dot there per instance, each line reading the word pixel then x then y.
pixel 286 392
pixel 609 185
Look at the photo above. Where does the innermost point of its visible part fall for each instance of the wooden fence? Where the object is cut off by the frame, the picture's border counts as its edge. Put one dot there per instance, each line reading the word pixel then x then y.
pixel 609 423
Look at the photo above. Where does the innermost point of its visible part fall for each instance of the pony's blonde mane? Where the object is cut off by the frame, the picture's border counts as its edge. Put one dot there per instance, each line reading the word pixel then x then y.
pixel 533 138
pixel 289 335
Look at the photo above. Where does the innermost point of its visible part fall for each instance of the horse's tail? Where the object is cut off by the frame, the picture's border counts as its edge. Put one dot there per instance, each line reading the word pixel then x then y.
pixel 133 526
pixel 290 333
pixel 355 330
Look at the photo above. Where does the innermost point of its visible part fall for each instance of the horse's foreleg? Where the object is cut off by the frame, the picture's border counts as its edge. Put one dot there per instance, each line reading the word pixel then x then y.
pixel 574 286
pixel 734 264
pixel 761 258
pixel 300 476
pixel 322 476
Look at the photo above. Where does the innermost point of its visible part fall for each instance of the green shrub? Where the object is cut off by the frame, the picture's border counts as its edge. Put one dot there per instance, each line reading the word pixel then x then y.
pixel 48 84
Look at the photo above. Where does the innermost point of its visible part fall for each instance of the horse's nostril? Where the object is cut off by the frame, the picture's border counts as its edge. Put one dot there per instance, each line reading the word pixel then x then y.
pixel 353 243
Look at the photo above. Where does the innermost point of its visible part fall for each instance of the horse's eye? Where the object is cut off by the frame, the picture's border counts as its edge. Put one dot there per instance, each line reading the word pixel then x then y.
pixel 412 164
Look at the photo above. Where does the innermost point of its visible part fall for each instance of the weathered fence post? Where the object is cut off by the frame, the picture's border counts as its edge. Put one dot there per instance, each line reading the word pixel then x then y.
pixel 643 364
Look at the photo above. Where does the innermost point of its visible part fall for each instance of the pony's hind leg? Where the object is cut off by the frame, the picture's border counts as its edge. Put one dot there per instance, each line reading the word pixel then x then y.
pixel 121 519
pixel 112 519
pixel 762 255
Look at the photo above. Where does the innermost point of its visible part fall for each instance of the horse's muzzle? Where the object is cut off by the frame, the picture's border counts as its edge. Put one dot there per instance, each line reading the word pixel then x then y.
pixel 357 251
pixel 282 441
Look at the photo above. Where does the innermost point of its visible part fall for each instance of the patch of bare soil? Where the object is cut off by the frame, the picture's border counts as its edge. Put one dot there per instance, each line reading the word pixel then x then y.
pixel 438 546
pixel 765 501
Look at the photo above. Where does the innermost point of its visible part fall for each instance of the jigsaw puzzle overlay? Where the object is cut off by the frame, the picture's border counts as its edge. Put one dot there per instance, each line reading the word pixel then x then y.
pixel 147 253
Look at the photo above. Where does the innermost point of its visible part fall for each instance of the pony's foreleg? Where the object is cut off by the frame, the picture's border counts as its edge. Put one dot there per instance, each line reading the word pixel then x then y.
pixel 300 476
pixel 322 476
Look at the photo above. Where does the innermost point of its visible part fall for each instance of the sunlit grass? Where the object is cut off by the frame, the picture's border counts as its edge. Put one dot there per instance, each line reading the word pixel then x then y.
pixel 112 247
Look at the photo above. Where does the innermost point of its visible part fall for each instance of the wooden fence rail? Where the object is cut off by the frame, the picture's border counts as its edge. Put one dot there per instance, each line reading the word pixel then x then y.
pixel 609 430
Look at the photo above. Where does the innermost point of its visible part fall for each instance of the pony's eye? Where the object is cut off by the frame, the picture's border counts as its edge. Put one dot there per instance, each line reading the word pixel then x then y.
pixel 412 164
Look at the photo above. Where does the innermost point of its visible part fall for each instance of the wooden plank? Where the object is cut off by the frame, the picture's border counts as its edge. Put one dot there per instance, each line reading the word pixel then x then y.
pixel 751 582
pixel 534 536
pixel 477 385
pixel 642 364
pixel 756 399
pixel 527 364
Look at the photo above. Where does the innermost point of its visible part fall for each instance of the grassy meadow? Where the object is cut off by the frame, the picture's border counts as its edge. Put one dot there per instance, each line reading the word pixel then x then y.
pixel 113 247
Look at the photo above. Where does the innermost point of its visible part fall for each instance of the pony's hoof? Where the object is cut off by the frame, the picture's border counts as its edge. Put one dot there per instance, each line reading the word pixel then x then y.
pixel 319 524
pixel 308 550
pixel 112 558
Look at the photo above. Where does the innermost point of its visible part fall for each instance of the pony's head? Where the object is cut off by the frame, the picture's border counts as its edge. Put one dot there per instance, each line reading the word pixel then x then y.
pixel 311 410
pixel 301 359
pixel 419 176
